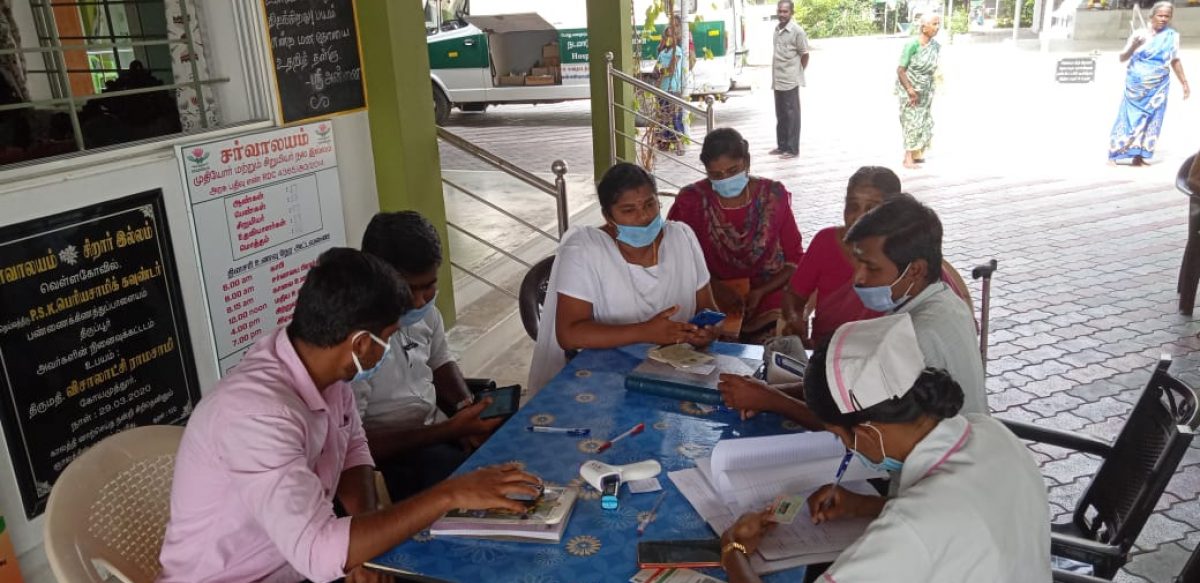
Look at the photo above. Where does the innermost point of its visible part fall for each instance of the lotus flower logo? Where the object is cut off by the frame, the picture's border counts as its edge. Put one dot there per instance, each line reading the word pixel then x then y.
pixel 323 130
pixel 198 156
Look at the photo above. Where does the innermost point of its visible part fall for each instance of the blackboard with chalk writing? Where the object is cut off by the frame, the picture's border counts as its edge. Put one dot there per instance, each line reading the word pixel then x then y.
pixel 316 57
pixel 93 337
pixel 1075 70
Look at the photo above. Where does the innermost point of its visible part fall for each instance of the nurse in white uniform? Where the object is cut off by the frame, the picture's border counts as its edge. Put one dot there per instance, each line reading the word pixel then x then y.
pixel 636 279
pixel 971 503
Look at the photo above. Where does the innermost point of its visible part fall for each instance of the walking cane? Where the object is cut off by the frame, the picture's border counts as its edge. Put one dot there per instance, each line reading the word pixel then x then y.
pixel 984 271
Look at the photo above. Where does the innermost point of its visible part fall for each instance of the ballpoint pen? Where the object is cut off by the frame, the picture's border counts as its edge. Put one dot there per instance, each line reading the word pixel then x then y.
pixel 634 431
pixel 650 516
pixel 837 480
pixel 572 431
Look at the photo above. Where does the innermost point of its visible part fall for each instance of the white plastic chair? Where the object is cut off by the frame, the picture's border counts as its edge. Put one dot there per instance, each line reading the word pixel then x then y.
pixel 108 511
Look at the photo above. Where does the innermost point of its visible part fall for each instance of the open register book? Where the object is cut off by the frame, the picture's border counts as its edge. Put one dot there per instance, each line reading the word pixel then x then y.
pixel 545 523
pixel 747 474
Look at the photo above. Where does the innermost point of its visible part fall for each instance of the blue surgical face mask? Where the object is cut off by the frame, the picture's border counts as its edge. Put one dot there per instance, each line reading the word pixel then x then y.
pixel 888 464
pixel 364 374
pixel 879 298
pixel 640 236
pixel 731 187
pixel 416 315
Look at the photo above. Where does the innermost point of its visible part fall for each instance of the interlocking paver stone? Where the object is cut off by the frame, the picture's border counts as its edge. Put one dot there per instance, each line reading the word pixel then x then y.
pixel 1102 409
pixel 1090 373
pixel 1053 405
pixel 1071 468
pixel 1160 566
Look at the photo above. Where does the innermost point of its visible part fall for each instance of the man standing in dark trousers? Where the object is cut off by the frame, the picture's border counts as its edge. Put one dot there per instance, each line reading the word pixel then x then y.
pixel 787 77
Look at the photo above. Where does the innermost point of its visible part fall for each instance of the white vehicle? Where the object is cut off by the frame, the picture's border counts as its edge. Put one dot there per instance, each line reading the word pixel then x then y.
pixel 489 52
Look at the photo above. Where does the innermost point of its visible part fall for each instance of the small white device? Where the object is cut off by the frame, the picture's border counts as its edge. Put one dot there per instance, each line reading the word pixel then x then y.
pixel 594 471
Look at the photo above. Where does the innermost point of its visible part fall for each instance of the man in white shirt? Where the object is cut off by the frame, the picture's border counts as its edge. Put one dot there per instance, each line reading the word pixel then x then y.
pixel 898 247
pixel 787 77
pixel 420 418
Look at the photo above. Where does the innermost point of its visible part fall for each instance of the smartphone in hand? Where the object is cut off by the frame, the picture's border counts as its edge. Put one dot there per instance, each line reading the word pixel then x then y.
pixel 705 318
pixel 505 401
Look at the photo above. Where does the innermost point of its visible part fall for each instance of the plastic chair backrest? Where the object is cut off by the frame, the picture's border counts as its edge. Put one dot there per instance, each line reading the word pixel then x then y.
pixel 1144 457
pixel 1181 179
pixel 108 510
pixel 533 295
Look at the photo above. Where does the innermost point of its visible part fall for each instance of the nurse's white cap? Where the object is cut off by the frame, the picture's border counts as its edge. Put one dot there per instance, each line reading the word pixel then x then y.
pixel 871 361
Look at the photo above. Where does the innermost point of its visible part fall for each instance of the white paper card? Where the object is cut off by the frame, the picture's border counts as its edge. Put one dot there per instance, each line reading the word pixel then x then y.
pixel 644 486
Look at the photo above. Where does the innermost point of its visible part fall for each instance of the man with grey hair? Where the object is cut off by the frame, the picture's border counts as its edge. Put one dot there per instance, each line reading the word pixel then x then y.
pixel 787 77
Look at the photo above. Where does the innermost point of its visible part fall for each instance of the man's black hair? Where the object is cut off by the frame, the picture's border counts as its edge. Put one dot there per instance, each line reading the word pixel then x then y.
pixel 621 178
pixel 346 291
pixel 404 239
pixel 910 231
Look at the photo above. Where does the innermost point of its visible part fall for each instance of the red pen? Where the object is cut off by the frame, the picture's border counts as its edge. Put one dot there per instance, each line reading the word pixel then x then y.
pixel 636 430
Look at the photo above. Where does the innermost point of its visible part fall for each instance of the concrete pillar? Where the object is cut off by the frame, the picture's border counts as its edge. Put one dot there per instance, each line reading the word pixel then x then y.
pixel 403 135
pixel 610 29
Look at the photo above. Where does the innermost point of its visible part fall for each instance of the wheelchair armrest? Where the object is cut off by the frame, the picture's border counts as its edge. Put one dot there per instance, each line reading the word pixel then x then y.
pixel 477 386
pixel 1067 577
pixel 1105 558
pixel 1074 441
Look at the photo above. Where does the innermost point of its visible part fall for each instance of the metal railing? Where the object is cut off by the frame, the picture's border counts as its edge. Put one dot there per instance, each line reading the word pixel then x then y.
pixel 556 189
pixel 614 76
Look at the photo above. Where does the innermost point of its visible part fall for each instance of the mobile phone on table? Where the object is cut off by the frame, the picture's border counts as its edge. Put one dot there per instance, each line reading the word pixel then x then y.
pixel 679 554
pixel 505 401
pixel 707 318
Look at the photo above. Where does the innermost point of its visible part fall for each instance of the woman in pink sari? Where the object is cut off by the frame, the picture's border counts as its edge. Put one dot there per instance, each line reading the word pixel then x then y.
pixel 827 269
pixel 747 231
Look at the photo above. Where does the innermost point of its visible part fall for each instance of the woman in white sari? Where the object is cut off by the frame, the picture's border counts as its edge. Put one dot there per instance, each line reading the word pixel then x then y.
pixel 635 279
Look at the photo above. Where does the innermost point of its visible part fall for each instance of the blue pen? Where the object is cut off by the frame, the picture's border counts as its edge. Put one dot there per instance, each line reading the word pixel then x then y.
pixel 572 431
pixel 837 480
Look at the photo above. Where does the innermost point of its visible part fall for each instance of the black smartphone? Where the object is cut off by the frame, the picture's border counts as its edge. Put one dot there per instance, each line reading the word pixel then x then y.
pixel 505 401
pixel 666 554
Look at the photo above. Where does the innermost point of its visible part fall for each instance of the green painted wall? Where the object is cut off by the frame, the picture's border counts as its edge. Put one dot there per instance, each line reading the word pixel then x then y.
pixel 610 29
pixel 403 136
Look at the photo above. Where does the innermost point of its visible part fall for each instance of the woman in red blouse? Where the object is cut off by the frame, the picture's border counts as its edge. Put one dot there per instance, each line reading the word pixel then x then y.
pixel 747 231
pixel 827 269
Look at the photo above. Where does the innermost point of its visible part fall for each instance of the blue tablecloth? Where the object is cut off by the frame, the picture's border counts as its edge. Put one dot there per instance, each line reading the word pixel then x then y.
pixel 599 545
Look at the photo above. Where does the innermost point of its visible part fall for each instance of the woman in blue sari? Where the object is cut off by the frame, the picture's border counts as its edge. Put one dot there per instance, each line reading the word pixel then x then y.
pixel 1151 53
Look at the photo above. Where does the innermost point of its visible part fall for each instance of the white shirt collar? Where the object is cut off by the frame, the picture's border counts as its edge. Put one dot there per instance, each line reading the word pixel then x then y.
pixel 949 437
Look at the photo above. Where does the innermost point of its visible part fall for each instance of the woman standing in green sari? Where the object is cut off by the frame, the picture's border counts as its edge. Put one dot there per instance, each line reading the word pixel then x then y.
pixel 914 87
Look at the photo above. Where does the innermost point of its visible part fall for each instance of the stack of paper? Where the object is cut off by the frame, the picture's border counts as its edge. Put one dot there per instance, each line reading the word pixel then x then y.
pixel 750 472
pixel 746 475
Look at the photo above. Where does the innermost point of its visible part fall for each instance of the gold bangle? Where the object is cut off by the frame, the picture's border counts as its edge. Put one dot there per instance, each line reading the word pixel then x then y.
pixel 734 546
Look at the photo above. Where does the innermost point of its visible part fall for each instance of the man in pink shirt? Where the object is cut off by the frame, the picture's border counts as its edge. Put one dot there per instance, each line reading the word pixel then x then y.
pixel 271 446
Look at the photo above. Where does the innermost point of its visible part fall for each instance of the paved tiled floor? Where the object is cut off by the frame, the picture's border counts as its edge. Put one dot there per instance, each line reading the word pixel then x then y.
pixel 1084 301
